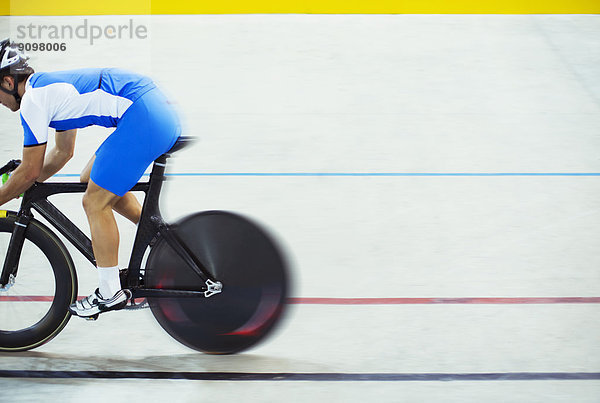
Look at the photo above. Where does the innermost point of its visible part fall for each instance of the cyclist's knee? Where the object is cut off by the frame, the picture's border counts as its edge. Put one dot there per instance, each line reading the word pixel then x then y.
pixel 97 199
pixel 89 203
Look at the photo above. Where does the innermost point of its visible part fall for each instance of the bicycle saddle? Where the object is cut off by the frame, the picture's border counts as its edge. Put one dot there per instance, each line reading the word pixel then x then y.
pixel 181 142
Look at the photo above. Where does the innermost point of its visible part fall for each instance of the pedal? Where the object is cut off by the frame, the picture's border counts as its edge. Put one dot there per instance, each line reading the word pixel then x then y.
pixel 93 317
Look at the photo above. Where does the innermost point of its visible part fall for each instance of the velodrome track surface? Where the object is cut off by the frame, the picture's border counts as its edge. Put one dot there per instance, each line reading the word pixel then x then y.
pixel 434 179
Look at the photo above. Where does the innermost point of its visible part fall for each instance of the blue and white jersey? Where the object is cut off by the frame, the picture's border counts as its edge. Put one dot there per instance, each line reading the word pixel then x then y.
pixel 74 99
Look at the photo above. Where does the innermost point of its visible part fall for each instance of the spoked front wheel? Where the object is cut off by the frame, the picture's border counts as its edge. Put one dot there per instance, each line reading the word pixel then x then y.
pixel 240 255
pixel 34 304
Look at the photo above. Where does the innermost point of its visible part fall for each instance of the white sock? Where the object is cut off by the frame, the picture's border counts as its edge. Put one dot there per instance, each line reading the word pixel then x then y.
pixel 109 280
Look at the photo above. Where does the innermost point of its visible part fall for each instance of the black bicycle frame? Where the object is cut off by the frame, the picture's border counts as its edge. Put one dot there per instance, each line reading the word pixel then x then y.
pixel 150 228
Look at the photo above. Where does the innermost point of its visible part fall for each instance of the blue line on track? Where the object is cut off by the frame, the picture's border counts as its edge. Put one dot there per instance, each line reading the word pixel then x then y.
pixel 287 376
pixel 368 174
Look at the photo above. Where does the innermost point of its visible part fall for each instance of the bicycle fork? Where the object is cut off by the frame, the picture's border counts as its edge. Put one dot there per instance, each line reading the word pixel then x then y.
pixel 11 263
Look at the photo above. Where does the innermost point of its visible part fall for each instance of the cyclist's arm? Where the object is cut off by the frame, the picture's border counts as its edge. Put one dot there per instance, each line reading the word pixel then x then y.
pixel 25 175
pixel 59 155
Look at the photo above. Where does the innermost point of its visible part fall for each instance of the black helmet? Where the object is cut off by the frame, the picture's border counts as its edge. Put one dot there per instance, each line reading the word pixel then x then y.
pixel 12 62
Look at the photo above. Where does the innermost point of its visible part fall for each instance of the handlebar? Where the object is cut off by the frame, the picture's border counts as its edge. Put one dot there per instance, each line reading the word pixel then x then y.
pixel 10 166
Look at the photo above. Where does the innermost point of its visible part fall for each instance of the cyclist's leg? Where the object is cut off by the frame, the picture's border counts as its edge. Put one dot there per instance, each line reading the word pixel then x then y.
pixel 98 204
pixel 148 129
pixel 128 205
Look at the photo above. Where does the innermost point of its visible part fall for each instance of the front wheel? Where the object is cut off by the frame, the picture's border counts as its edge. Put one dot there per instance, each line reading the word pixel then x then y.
pixel 239 254
pixel 34 304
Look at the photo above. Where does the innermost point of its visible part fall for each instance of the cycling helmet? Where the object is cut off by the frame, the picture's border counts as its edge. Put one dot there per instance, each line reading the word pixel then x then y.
pixel 12 63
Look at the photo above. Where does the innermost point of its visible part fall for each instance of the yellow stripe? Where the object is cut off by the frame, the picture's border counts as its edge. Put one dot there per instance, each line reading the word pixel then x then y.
pixel 4 7
pixel 3 213
pixel 78 7
pixel 111 7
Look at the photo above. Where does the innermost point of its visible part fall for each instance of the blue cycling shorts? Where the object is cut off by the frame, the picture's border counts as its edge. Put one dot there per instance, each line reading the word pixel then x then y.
pixel 148 129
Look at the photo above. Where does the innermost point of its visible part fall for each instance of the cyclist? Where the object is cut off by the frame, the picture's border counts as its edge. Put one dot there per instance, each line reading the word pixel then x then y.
pixel 146 127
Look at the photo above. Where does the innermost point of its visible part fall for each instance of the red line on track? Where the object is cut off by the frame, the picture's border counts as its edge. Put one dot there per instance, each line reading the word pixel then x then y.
pixel 391 301
pixel 475 300
pixel 26 298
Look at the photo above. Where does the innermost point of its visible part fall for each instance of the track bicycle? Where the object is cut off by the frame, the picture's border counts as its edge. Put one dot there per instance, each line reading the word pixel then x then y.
pixel 215 281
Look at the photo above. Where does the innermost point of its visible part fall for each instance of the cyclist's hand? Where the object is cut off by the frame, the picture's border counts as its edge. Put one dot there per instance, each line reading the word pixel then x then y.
pixel 5 177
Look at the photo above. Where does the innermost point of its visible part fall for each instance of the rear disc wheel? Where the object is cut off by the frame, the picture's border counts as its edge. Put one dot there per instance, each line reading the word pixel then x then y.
pixel 239 254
